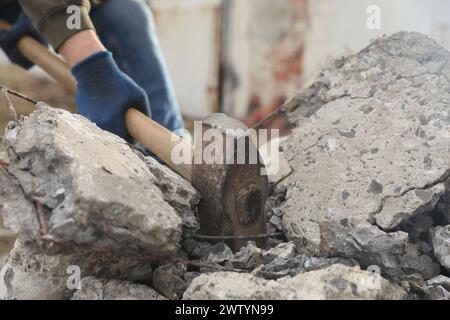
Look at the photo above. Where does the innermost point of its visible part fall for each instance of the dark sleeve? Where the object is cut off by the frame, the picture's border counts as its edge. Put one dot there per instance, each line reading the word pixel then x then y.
pixel 50 18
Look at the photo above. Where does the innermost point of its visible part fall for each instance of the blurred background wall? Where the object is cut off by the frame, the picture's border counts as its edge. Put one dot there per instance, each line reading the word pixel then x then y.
pixel 245 57
pixel 340 26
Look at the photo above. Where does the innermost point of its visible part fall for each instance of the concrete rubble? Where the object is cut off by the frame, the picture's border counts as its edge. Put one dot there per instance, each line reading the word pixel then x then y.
pixel 439 288
pixel 169 281
pixel 363 203
pixel 370 158
pixel 98 289
pixel 93 189
pixel 338 282
pixel 29 274
pixel 441 244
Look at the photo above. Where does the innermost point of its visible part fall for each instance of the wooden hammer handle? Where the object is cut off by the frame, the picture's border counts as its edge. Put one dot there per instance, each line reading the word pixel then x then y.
pixel 41 56
pixel 158 140
pixel 153 136
pixel 54 66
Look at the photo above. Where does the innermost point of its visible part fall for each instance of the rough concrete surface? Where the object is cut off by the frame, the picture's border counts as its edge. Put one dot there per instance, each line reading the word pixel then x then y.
pixel 177 191
pixel 6 243
pixel 29 274
pixel 168 280
pixel 370 147
pixel 441 244
pixel 100 289
pixel 94 190
pixel 335 282
pixel 439 288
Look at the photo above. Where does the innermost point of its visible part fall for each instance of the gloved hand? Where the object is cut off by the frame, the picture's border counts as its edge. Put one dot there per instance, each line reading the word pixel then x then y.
pixel 105 93
pixel 10 38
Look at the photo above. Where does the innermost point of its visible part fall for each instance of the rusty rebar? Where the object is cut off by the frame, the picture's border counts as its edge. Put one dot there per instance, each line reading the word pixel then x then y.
pixel 12 110
pixel 242 237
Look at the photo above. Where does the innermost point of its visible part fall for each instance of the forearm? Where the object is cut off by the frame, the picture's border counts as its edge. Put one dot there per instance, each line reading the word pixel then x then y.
pixel 80 46
pixel 51 16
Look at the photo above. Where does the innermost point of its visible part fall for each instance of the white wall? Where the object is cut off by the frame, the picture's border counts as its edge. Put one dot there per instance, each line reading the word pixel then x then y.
pixel 339 26
pixel 189 32
pixel 264 41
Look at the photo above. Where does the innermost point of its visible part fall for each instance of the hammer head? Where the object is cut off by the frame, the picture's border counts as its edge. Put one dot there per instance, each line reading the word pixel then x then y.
pixel 228 172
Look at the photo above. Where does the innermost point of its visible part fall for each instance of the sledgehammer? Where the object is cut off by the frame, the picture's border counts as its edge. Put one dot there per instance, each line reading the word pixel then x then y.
pixel 234 192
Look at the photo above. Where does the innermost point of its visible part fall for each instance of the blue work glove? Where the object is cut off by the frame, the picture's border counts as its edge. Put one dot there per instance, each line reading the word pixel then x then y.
pixel 105 93
pixel 10 38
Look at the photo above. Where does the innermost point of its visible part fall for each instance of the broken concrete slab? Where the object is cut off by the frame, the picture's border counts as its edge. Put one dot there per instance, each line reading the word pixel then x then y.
pixel 32 276
pixel 248 258
pixel 101 289
pixel 284 251
pixel 340 282
pixel 93 189
pixel 442 212
pixel 28 274
pixel 220 253
pixel 280 267
pixel 411 204
pixel 440 281
pixel 335 282
pixel 365 243
pixel 232 286
pixel 415 262
pixel 178 192
pixel 441 244
pixel 167 280
pixel 438 293
pixel 439 288
pixel 14 200
pixel 415 285
pixel 418 229
pixel 370 146
pixel 214 253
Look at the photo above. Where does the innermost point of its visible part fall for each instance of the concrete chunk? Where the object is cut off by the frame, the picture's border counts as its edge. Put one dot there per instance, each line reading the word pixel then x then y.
pixel 232 286
pixel 178 192
pixel 30 275
pixel 439 288
pixel 363 242
pixel 441 244
pixel 94 189
pixel 335 282
pixel 100 289
pixel 413 203
pixel 370 146
pixel 440 281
